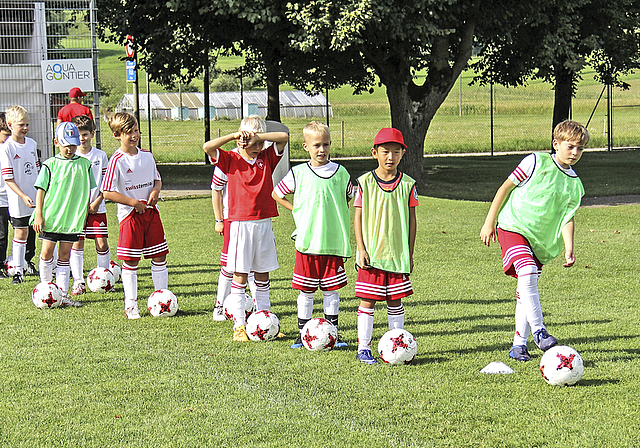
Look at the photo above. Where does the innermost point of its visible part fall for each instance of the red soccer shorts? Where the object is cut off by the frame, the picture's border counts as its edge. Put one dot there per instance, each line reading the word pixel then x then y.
pixel 516 251
pixel 95 227
pixel 318 271
pixel 141 234
pixel 225 242
pixel 376 284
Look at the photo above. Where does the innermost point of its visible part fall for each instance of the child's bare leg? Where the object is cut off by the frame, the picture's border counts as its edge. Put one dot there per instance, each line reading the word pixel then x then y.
pixel 103 253
pixel 160 272
pixel 365 323
pixel 263 302
pixel 395 314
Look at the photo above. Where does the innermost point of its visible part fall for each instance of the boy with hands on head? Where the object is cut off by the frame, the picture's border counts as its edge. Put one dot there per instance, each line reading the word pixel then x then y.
pixel 251 208
pixel 321 212
pixel 532 216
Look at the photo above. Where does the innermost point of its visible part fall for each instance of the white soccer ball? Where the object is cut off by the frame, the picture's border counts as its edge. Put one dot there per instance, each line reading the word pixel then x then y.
pixel 116 270
pixel 100 280
pixel 397 347
pixel 47 295
pixel 9 267
pixel 249 306
pixel 162 303
pixel 263 325
pixel 319 334
pixel 561 365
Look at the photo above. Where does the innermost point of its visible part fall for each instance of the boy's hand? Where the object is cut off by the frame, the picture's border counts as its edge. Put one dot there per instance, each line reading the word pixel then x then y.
pixel 488 234
pixel 244 138
pixel 93 208
pixel 220 228
pixel 570 257
pixel 27 200
pixel 363 259
pixel 153 198
pixel 140 207
pixel 38 223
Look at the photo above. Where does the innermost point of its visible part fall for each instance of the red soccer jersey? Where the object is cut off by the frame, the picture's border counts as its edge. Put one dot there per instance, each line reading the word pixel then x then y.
pixel 250 184
pixel 73 110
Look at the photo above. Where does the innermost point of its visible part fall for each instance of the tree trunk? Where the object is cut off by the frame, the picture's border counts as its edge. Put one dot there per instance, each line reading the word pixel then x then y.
pixel 563 93
pixel 273 88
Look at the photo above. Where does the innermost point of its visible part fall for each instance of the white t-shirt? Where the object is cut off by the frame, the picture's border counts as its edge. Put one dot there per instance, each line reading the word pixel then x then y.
pixel 20 163
pixel 131 175
pixel 99 162
pixel 288 183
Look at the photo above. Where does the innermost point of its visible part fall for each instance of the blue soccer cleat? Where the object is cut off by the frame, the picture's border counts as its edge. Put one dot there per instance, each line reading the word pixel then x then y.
pixel 544 340
pixel 519 353
pixel 366 357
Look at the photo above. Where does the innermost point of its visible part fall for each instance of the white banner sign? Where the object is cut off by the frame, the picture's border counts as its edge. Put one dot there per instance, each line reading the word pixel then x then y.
pixel 61 75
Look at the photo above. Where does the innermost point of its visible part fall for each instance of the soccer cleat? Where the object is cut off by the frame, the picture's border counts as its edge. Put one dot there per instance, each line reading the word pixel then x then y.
pixel 17 279
pixel 340 343
pixel 298 343
pixel 240 334
pixel 132 312
pixel 281 335
pixel 3 273
pixel 31 269
pixel 365 356
pixel 79 288
pixel 519 353
pixel 218 314
pixel 544 340
pixel 68 301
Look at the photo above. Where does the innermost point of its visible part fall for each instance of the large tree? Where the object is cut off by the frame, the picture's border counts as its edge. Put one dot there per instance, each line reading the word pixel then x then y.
pixel 399 40
pixel 556 40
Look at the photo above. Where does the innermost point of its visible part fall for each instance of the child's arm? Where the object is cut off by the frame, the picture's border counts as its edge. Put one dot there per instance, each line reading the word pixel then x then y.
pixel 218 207
pixel 567 235
pixel 14 186
pixel 363 255
pixel 488 231
pixel 282 201
pixel 412 233
pixel 279 138
pixel 38 221
pixel 93 206
pixel 114 196
pixel 154 196
pixel 211 147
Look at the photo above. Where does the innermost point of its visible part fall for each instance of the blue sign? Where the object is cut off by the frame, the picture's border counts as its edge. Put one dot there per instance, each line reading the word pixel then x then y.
pixel 131 71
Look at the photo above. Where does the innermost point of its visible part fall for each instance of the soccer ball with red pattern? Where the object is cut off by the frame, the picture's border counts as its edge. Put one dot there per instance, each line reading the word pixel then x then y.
pixel 263 325
pixel 100 280
pixel 319 334
pixel 162 303
pixel 116 270
pixel 397 346
pixel 47 295
pixel 249 306
pixel 9 267
pixel 561 365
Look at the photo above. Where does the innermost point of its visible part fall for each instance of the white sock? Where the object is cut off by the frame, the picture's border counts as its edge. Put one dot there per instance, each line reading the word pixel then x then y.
pixel 395 316
pixel 104 259
pixel 160 275
pixel 262 295
pixel 522 325
pixel 46 270
pixel 18 250
pixel 529 296
pixel 224 286
pixel 129 279
pixel 365 327
pixel 251 281
pixel 235 303
pixel 331 302
pixel 76 260
pixel 62 275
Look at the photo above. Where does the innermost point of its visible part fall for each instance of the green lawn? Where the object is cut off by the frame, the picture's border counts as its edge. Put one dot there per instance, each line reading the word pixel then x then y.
pixel 88 377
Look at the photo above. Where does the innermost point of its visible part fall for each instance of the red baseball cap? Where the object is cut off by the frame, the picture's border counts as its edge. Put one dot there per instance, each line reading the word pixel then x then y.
pixel 76 93
pixel 389 135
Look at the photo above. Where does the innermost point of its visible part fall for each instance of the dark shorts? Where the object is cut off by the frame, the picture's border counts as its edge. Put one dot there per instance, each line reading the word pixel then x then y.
pixel 56 237
pixel 19 223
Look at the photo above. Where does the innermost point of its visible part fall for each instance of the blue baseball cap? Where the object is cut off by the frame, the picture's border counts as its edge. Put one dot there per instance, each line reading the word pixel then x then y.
pixel 67 134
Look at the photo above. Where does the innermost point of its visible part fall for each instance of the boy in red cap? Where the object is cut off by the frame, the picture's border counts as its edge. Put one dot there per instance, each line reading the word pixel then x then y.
pixel 75 106
pixel 385 228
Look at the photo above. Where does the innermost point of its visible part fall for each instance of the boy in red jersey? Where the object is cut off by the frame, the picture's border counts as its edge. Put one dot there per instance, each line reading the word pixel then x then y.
pixel 385 229
pixel 133 182
pixel 251 208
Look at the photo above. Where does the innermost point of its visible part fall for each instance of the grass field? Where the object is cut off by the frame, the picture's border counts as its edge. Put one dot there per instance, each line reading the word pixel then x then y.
pixel 87 377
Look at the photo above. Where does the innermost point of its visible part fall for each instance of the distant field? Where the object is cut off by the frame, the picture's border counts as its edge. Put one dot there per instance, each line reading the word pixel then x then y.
pixel 521 121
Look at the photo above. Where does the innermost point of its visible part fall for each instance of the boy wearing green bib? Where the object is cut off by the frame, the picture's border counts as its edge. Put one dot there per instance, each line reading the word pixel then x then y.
pixel 532 215
pixel 323 224
pixel 385 229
